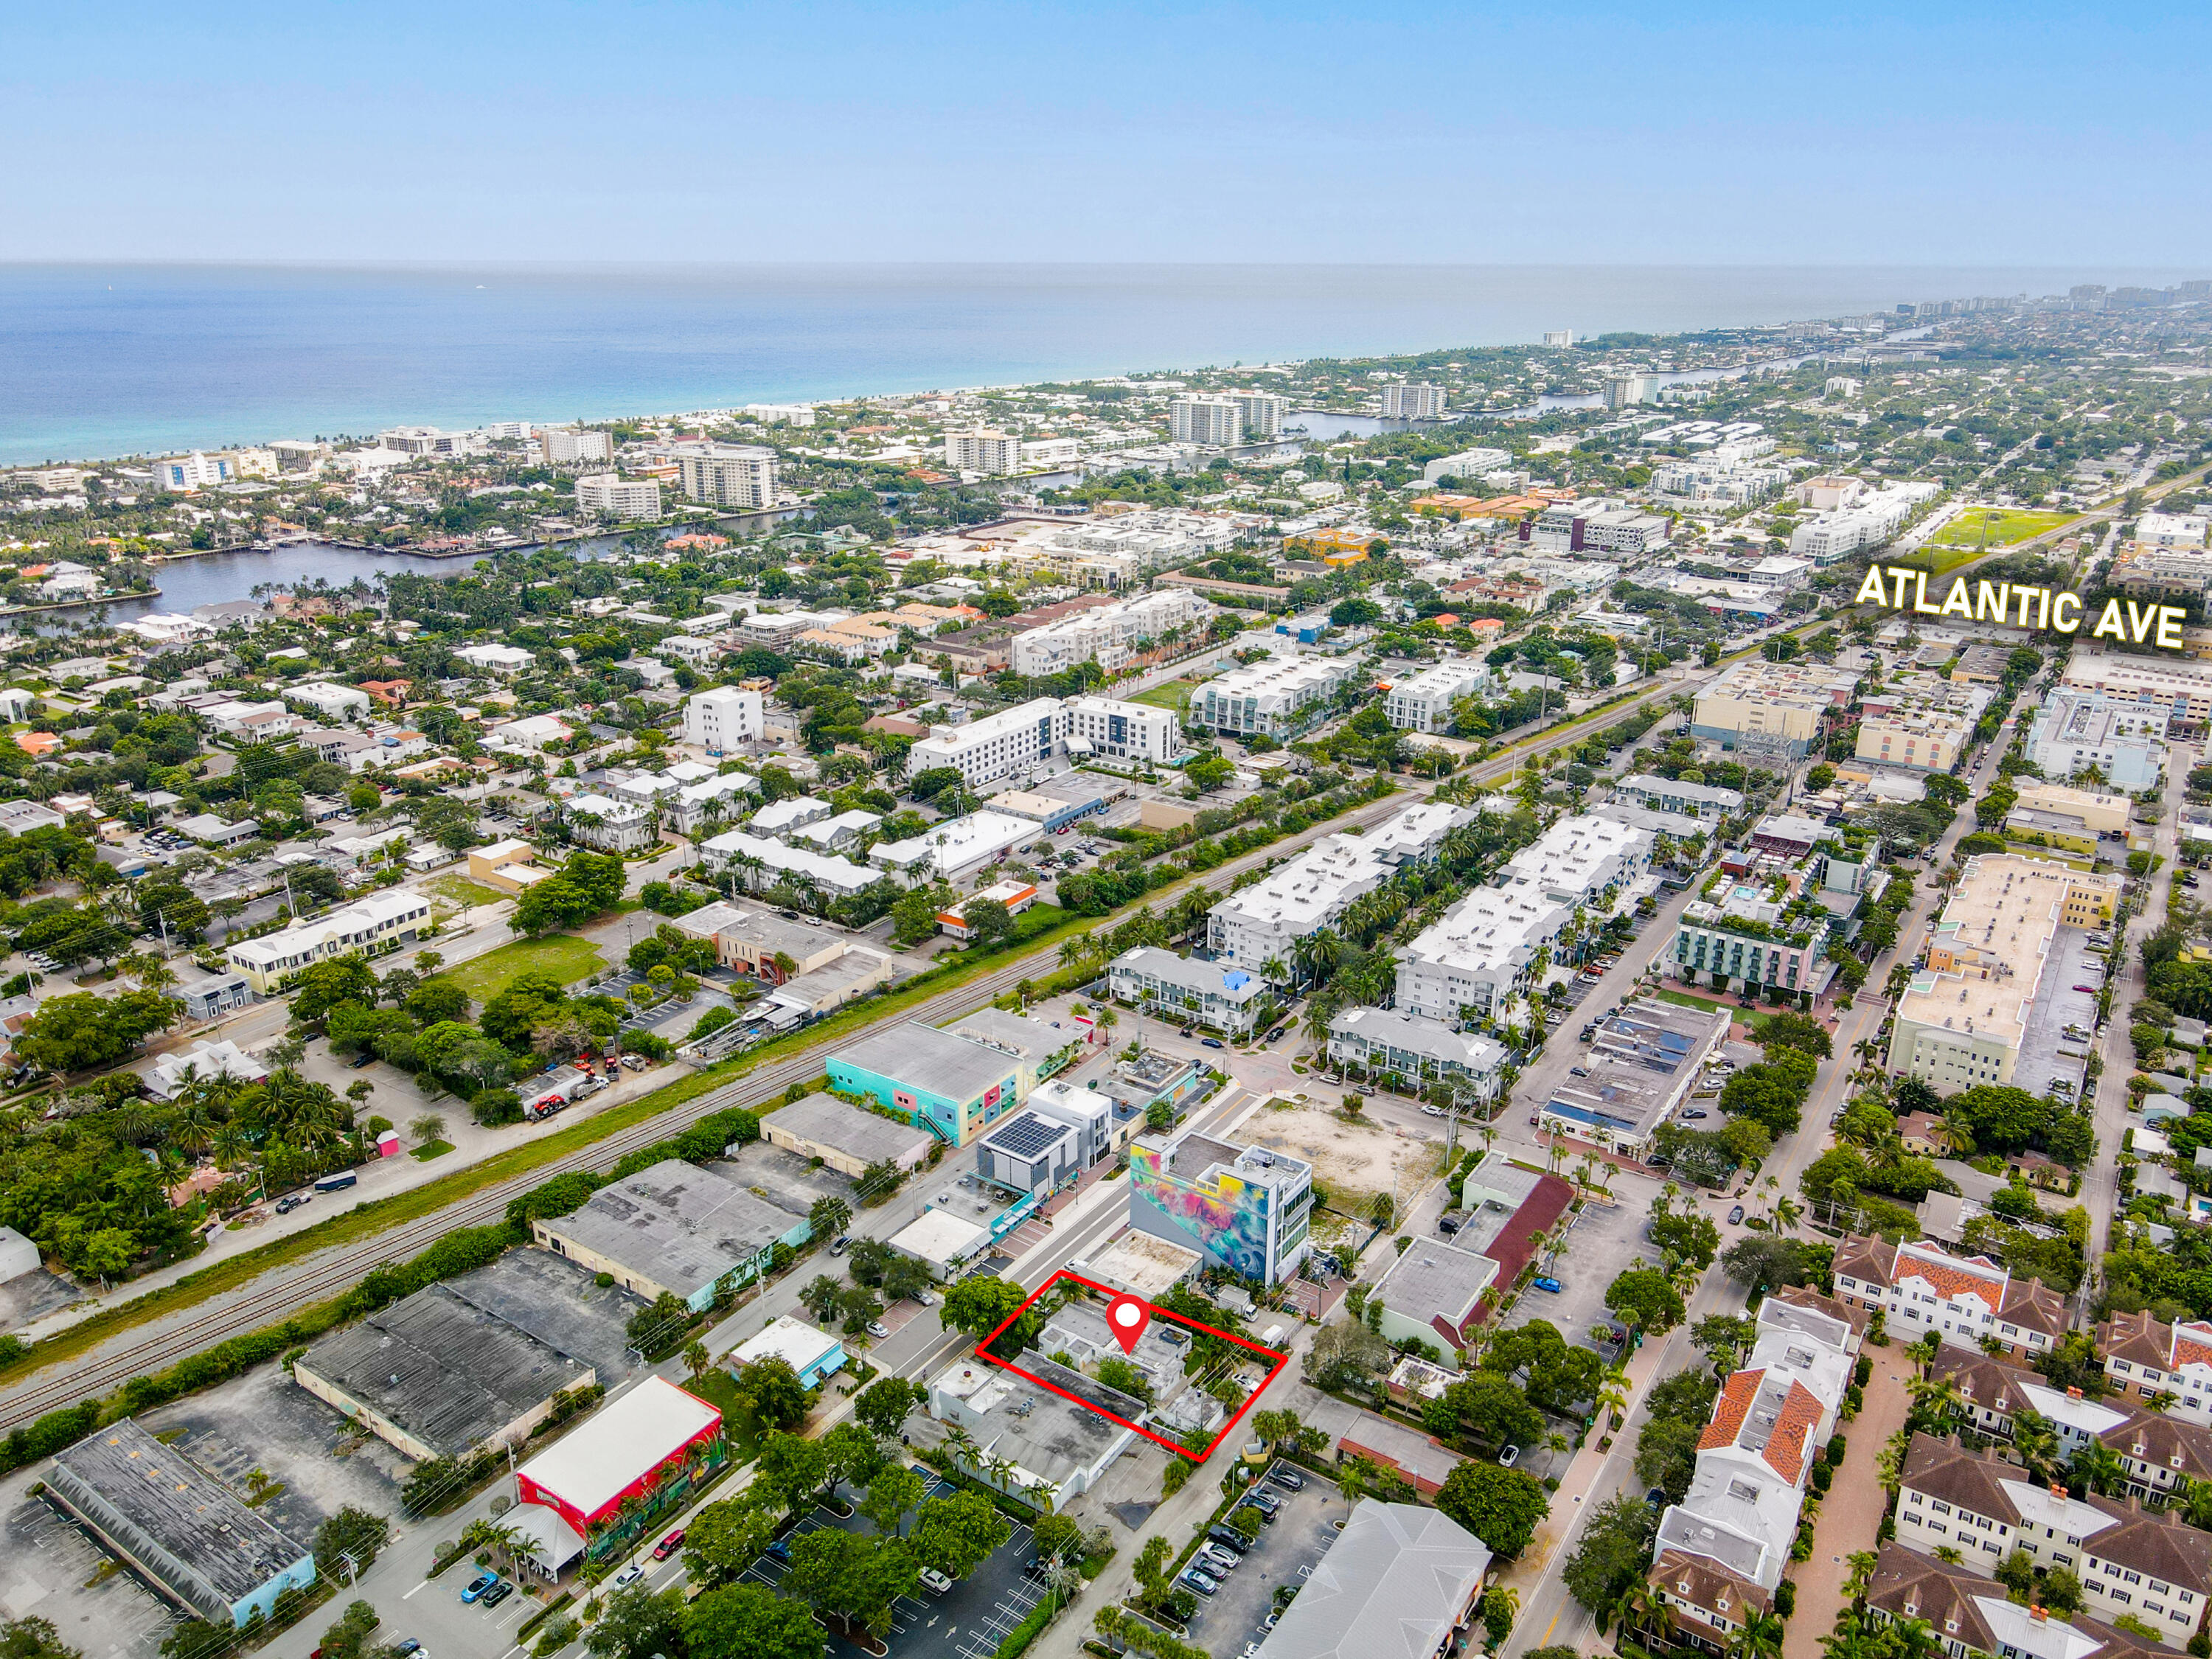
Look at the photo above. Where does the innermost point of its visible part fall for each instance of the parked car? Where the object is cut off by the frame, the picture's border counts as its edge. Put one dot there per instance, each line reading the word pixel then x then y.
pixel 877 1328
pixel 474 1590
pixel 1228 1537
pixel 1695 1111
pixel 1548 1284
pixel 668 1546
pixel 1212 1558
pixel 1203 1583
pixel 1287 1478
pixel 1656 1498
pixel 1508 1457
pixel 1211 1043
pixel 1578 1071
pixel 628 1575
pixel 934 1582
pixel 498 1593
pixel 1735 1215
pixel 2090 990
pixel 779 1549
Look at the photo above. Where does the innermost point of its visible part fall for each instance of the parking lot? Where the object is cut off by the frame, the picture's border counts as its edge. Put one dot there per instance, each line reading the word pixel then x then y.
pixel 1286 1552
pixel 969 1620
pixel 1599 1245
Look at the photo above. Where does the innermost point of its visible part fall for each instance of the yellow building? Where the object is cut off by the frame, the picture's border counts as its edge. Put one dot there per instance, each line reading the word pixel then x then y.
pixel 1994 972
pixel 505 865
pixel 1771 704
pixel 1337 547
pixel 2105 814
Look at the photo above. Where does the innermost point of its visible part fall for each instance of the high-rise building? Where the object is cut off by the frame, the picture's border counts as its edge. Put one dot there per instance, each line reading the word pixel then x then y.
pixel 1415 400
pixel 193 472
pixel 993 454
pixel 1205 419
pixel 566 447
pixel 618 497
pixel 1263 413
pixel 729 475
pixel 1560 337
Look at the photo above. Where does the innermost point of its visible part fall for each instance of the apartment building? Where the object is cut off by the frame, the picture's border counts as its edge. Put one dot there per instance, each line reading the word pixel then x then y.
pixel 1596 526
pixel 1720 1553
pixel 1748 940
pixel 2125 738
pixel 1380 1039
pixel 1196 993
pixel 1479 953
pixel 1125 730
pixel 1978 1620
pixel 1254 927
pixel 1009 744
pixel 993 454
pixel 2146 1564
pixel 1110 634
pixel 1466 465
pixel 1217 422
pixel 1963 1301
pixel 1997 970
pixel 1412 400
pixel 1760 705
pixel 1423 701
pixel 728 475
pixel 185 473
pixel 2176 574
pixel 606 495
pixel 1281 697
pixel 375 923
pixel 1689 800
pixel 1263 414
pixel 1923 724
pixel 2146 1359
pixel 566 447
pixel 2171 530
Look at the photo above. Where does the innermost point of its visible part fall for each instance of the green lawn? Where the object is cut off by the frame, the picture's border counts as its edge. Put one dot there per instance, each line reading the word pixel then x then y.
pixel 2005 527
pixel 1755 1019
pixel 1175 694
pixel 566 958
pixel 460 891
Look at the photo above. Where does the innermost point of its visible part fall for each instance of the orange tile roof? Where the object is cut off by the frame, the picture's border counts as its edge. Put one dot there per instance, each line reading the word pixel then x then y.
pixel 1729 1411
pixel 1789 1446
pixel 2187 1352
pixel 1954 1278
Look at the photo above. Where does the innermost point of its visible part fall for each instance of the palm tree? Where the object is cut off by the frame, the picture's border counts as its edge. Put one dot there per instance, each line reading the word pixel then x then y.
pixel 1760 1638
pixel 1612 1395
pixel 1861 1563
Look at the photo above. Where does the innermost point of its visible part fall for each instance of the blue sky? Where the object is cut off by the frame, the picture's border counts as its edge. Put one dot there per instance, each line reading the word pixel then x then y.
pixel 1723 134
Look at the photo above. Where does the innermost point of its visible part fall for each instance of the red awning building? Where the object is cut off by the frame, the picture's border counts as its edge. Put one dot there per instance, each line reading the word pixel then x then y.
pixel 655 1443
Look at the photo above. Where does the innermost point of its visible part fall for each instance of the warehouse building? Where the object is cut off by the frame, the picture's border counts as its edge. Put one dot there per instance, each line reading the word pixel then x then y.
pixel 178 1527
pixel 674 1228
pixel 954 1086
pixel 437 1377
pixel 845 1137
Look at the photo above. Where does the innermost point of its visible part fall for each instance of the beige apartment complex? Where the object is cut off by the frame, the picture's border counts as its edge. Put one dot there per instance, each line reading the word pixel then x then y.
pixel 1770 704
pixel 1923 723
pixel 1995 973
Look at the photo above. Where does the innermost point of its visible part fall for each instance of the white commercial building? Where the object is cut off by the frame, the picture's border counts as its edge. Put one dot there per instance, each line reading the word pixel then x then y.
pixel 728 475
pixel 1009 744
pixel 1414 400
pixel 1423 701
pixel 780 414
pixel 955 849
pixel 1468 464
pixel 1255 924
pixel 1279 698
pixel 1126 731
pixel 565 446
pixel 1478 956
pixel 2170 530
pixel 720 719
pixel 383 919
pixel 993 454
pixel 614 497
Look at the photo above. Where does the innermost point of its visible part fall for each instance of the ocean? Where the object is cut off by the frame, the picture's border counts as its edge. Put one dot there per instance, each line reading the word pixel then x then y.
pixel 104 360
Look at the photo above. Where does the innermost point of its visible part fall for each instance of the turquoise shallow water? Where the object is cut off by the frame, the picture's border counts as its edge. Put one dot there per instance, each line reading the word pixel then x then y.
pixel 115 360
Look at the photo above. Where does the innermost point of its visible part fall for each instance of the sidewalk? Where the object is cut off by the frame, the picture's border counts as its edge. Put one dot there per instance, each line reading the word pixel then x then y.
pixel 1851 1515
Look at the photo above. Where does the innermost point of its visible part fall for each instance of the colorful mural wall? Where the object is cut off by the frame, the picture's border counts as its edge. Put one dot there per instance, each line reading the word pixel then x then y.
pixel 1225 1219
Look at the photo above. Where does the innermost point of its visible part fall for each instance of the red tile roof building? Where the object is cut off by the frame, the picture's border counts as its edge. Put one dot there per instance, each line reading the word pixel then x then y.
pixel 1963 1300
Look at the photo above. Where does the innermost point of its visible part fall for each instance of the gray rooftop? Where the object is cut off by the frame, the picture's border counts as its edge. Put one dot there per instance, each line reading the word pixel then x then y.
pixel 1434 1278
pixel 829 1121
pixel 755 927
pixel 675 1225
pixel 1050 1436
pixel 1392 1587
pixel 953 1068
pixel 123 1472
pixel 780 1177
pixel 449 1373
pixel 1017 1034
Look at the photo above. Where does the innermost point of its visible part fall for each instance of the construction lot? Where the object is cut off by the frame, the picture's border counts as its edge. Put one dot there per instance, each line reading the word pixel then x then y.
pixel 1353 1161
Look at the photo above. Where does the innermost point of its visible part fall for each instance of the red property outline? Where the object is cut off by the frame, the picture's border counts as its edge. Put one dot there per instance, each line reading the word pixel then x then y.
pixel 1280 1359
